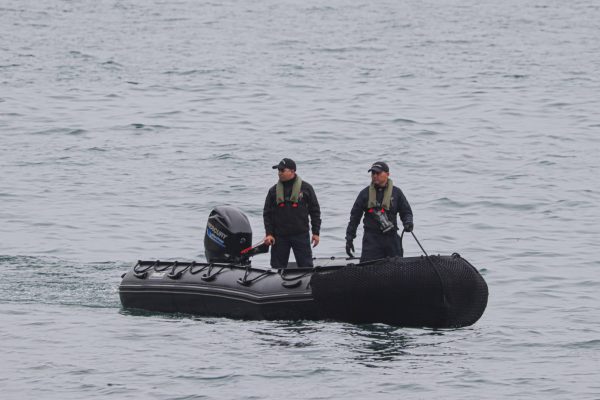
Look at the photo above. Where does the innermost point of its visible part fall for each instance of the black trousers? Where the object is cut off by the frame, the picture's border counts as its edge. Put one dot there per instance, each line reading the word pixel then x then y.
pixel 300 244
pixel 377 245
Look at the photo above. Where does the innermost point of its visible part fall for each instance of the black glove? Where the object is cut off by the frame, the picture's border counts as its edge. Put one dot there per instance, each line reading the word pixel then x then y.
pixel 408 227
pixel 349 248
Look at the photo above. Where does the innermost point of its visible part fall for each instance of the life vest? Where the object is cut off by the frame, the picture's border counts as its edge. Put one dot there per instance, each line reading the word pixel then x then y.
pixel 294 197
pixel 387 197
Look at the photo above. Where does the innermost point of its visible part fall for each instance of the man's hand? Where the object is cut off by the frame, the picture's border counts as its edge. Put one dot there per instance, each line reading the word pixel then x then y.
pixel 269 240
pixel 315 240
pixel 350 248
pixel 408 227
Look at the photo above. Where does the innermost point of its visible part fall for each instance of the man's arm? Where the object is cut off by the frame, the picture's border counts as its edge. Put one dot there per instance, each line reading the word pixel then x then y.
pixel 355 216
pixel 404 209
pixel 314 210
pixel 268 213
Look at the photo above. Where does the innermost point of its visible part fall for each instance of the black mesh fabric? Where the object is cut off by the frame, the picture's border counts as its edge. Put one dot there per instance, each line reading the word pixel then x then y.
pixel 434 291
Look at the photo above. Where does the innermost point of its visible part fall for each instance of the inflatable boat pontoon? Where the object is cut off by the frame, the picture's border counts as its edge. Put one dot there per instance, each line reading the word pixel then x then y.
pixel 426 291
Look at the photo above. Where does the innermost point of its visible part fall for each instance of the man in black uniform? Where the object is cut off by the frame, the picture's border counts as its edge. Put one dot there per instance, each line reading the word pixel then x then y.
pixel 379 203
pixel 287 208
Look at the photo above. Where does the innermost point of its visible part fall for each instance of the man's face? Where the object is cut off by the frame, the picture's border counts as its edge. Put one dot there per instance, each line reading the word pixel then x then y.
pixel 285 174
pixel 379 178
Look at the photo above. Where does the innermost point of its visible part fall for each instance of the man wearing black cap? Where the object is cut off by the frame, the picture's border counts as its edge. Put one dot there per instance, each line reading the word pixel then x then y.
pixel 288 205
pixel 379 202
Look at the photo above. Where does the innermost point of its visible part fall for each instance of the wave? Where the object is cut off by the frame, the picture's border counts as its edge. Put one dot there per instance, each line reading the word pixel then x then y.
pixel 50 280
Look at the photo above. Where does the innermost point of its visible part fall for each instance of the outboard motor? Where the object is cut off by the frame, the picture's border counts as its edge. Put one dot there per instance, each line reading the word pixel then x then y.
pixel 228 233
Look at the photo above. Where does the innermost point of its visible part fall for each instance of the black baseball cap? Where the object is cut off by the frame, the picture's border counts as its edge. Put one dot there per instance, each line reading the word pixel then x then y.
pixel 286 163
pixel 379 166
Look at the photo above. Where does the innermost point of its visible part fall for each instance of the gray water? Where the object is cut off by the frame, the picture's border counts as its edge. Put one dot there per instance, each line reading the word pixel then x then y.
pixel 123 123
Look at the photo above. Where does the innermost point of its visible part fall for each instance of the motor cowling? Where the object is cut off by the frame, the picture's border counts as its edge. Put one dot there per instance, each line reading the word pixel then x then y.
pixel 228 232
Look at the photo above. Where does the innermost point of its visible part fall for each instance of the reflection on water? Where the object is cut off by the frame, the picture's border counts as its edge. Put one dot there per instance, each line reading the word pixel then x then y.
pixel 287 333
pixel 384 346
pixel 374 344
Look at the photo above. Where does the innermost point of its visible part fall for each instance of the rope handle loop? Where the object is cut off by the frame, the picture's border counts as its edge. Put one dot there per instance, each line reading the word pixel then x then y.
pixel 417 240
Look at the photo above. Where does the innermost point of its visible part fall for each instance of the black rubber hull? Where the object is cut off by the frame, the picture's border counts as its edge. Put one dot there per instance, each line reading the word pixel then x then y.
pixel 437 292
pixel 217 291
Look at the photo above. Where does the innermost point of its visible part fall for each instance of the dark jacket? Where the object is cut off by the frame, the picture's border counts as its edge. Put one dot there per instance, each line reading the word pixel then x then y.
pixel 288 220
pixel 399 205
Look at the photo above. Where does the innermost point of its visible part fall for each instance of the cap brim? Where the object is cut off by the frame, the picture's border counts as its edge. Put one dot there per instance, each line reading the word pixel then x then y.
pixel 375 169
pixel 275 166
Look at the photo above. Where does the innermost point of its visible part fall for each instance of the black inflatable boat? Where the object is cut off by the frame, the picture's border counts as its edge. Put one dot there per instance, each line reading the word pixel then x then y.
pixel 426 291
